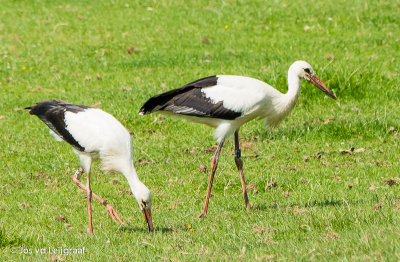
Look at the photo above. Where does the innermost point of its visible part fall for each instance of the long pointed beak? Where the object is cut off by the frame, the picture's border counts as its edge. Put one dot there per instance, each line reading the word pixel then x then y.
pixel 314 79
pixel 147 217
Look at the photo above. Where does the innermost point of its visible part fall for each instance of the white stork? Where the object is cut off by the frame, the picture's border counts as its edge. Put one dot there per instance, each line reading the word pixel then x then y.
pixel 94 133
pixel 226 102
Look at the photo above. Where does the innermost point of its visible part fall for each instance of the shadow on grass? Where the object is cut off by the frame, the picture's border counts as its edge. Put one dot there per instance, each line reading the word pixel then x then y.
pixel 131 229
pixel 315 203
pixel 324 203
pixel 4 242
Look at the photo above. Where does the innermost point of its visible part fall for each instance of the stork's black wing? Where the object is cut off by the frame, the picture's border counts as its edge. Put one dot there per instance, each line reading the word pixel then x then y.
pixel 52 113
pixel 190 100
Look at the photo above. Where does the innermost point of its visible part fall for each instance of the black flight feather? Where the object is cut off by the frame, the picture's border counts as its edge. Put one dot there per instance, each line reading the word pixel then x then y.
pixel 52 113
pixel 190 100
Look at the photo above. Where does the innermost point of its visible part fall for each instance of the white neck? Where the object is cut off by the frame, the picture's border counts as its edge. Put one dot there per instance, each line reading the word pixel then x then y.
pixel 132 177
pixel 284 104
pixel 290 98
pixel 294 84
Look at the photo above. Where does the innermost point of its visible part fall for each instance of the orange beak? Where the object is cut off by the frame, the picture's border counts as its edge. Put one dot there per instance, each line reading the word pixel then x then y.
pixel 147 217
pixel 314 79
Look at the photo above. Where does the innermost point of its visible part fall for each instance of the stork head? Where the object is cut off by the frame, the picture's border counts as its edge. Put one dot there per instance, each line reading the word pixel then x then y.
pixel 303 70
pixel 143 197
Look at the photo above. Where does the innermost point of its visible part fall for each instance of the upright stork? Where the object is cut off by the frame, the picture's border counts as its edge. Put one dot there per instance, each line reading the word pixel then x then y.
pixel 226 102
pixel 94 133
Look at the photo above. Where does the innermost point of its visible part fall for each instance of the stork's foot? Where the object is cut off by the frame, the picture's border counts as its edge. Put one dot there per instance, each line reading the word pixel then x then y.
pixel 202 215
pixel 113 214
pixel 78 173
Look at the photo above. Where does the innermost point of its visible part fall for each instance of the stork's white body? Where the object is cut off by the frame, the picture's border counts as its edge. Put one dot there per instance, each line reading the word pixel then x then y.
pixel 103 137
pixel 252 97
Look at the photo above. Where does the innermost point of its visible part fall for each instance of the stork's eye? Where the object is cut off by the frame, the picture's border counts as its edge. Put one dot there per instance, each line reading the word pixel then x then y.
pixel 143 203
pixel 307 70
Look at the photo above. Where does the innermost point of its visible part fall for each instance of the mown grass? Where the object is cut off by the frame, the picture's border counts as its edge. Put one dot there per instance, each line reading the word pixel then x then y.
pixel 325 205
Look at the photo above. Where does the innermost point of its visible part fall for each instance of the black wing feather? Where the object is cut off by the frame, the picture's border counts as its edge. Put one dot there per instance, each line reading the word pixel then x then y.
pixel 189 100
pixel 52 113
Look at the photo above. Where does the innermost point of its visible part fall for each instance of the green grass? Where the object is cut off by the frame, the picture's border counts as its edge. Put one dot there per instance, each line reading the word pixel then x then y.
pixel 326 205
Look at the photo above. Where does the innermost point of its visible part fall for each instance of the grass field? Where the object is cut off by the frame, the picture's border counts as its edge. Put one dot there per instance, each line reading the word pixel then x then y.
pixel 310 200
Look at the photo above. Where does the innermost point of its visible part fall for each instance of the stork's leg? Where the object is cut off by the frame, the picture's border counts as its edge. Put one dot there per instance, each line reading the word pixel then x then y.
pixel 110 209
pixel 214 164
pixel 239 164
pixel 89 202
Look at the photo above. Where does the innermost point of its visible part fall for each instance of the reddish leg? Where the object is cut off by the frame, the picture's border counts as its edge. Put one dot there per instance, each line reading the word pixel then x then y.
pixel 89 202
pixel 214 164
pixel 239 164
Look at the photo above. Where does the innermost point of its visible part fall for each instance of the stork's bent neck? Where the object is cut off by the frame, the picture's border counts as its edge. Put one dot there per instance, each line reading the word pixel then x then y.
pixel 290 98
pixel 294 84
pixel 132 177
pixel 285 103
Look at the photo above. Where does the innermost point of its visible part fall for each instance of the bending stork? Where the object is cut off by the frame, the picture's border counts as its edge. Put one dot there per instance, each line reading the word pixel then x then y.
pixel 226 102
pixel 94 133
